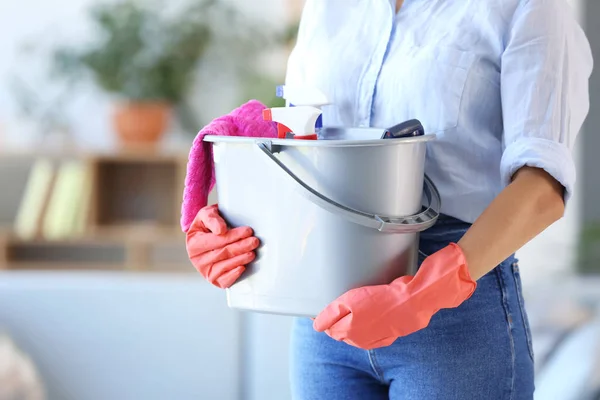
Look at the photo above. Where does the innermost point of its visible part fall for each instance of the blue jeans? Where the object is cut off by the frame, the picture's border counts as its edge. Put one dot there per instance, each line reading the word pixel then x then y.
pixel 480 350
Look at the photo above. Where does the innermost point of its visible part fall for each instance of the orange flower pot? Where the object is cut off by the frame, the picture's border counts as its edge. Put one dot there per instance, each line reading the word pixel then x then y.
pixel 141 123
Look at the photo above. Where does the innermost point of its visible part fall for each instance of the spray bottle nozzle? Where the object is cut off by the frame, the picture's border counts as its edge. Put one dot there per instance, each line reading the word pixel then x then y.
pixel 299 120
pixel 302 96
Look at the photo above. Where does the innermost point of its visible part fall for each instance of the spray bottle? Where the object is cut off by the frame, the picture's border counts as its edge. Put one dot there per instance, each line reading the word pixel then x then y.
pixel 299 120
pixel 304 96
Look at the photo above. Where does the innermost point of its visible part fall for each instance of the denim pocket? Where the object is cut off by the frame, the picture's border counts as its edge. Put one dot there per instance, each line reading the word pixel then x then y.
pixel 517 277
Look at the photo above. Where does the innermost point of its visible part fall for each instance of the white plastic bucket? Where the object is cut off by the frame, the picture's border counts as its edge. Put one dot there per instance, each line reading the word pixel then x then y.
pixel 331 215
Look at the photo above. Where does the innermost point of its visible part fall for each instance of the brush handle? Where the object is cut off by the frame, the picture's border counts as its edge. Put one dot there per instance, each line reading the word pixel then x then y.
pixel 410 128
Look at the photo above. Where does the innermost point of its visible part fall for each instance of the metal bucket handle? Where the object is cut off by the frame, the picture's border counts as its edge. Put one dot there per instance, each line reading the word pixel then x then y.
pixel 407 224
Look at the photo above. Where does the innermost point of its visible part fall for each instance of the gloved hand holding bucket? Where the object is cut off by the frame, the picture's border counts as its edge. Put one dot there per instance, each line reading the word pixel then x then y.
pixel 359 315
pixel 220 254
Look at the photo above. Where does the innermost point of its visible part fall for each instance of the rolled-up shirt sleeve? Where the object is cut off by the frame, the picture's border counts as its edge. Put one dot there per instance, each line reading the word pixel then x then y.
pixel 545 72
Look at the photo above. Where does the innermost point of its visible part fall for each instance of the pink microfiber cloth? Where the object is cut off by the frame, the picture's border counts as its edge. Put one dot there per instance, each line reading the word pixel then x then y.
pixel 246 120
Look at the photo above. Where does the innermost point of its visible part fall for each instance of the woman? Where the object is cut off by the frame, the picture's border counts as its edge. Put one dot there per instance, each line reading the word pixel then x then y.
pixel 504 85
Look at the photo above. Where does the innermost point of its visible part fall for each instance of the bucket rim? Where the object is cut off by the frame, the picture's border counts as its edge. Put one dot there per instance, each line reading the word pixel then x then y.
pixel 319 143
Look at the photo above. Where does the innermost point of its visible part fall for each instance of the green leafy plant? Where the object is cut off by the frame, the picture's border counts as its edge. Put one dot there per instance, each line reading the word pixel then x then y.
pixel 145 53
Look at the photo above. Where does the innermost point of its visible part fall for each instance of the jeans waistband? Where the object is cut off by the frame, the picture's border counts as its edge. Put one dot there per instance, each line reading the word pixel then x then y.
pixel 446 227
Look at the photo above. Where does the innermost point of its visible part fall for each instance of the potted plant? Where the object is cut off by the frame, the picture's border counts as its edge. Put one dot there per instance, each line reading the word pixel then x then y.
pixel 147 55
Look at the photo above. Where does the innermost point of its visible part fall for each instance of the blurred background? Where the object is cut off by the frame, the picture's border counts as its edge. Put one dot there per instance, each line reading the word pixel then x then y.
pixel 97 298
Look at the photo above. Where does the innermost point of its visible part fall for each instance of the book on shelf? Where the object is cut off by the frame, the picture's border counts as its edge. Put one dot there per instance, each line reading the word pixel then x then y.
pixel 65 216
pixel 35 198
pixel 55 202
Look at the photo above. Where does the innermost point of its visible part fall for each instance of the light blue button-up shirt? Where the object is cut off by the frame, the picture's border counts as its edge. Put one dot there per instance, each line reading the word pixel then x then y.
pixel 502 83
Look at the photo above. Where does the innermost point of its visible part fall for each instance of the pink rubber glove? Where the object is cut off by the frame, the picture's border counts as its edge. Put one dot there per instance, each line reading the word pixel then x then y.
pixel 375 316
pixel 218 253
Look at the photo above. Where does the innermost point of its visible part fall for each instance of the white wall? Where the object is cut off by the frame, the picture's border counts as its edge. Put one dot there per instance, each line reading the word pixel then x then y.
pixel 44 24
